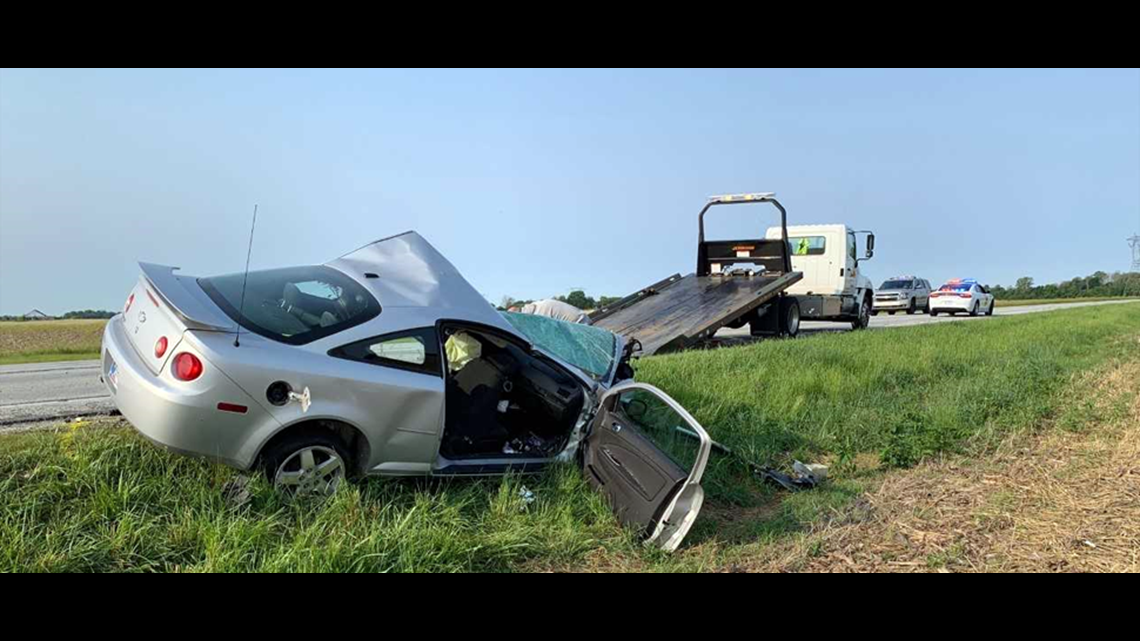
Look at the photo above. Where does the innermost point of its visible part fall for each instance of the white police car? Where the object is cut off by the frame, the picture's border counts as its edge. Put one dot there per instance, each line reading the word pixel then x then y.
pixel 962 295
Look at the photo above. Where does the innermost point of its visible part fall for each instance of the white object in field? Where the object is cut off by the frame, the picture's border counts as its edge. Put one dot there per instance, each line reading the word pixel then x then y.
pixel 555 309
pixel 814 472
pixel 305 398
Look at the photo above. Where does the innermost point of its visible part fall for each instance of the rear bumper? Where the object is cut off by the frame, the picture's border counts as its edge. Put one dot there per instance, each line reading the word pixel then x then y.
pixel 180 416
pixel 948 304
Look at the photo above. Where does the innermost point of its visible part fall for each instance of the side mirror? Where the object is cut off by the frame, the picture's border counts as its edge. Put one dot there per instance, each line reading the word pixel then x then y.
pixel 636 409
pixel 870 245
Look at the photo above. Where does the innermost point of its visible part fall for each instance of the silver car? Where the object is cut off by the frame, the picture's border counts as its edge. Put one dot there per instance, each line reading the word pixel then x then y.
pixel 386 361
pixel 908 294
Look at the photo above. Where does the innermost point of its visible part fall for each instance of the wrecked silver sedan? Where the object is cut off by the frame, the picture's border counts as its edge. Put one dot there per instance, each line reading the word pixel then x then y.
pixel 386 361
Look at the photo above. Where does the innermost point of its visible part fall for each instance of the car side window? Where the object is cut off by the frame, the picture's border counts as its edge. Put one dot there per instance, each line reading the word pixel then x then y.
pixel 415 350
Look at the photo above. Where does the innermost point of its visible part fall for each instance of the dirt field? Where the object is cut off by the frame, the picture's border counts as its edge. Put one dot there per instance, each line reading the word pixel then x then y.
pixel 38 341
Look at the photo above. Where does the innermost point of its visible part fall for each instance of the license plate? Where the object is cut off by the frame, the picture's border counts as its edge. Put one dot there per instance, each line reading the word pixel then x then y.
pixel 113 374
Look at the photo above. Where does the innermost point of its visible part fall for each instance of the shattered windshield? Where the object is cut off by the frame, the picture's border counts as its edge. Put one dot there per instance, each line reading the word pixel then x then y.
pixel 590 349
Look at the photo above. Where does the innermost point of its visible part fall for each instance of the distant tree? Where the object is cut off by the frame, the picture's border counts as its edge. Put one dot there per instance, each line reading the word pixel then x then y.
pixel 89 313
pixel 1024 284
pixel 508 302
pixel 579 299
pixel 606 301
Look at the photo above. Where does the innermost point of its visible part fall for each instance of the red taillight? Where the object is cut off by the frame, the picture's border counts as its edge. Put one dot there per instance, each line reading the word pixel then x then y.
pixel 160 347
pixel 186 367
pixel 233 407
pixel 130 301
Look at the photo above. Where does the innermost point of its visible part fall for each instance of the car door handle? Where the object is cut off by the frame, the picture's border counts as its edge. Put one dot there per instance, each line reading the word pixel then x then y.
pixel 624 471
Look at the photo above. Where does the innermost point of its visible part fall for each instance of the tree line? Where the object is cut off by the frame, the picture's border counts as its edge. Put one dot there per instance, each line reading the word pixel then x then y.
pixel 83 313
pixel 1097 285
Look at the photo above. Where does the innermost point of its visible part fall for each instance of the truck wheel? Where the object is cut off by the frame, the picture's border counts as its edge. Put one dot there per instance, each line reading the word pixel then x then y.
pixel 912 308
pixel 790 319
pixel 864 317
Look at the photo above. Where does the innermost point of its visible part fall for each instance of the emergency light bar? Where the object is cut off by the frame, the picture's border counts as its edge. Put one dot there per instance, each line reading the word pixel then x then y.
pixel 735 198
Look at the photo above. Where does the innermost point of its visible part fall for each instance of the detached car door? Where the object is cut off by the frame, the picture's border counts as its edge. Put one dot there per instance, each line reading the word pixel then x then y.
pixel 646 454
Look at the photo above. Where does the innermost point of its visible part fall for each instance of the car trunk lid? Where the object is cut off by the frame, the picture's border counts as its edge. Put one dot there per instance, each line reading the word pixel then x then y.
pixel 147 320
pixel 164 305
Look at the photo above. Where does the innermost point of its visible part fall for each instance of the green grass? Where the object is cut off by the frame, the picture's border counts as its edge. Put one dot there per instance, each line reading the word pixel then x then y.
pixel 1055 301
pixel 91 499
pixel 46 341
pixel 902 394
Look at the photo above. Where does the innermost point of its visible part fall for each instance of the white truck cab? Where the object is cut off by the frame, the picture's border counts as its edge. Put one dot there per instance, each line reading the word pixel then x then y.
pixel 833 287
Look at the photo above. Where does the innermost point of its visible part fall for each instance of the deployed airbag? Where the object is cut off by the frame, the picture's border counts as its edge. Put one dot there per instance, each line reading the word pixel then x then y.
pixel 461 349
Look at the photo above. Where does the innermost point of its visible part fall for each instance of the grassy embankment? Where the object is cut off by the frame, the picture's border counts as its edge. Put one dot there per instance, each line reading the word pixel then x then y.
pixel 868 403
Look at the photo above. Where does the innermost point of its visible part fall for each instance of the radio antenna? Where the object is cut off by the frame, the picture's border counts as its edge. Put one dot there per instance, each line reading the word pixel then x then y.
pixel 245 279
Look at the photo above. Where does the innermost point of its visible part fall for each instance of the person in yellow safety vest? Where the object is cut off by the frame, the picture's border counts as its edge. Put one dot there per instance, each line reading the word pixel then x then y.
pixel 555 309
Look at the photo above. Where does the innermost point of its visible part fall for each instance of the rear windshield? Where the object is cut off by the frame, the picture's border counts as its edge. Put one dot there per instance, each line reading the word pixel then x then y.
pixel 956 287
pixel 897 284
pixel 294 305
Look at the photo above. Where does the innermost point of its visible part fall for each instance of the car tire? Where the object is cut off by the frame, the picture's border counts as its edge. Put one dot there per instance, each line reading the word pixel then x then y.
pixel 932 313
pixel 990 311
pixel 790 318
pixel 912 308
pixel 302 464
pixel 974 309
pixel 926 309
pixel 864 318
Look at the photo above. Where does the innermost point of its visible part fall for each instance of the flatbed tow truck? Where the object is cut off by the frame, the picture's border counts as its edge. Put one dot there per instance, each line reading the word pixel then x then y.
pixel 737 283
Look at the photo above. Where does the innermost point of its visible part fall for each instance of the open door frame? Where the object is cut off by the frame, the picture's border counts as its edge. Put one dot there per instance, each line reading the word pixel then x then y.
pixel 616 452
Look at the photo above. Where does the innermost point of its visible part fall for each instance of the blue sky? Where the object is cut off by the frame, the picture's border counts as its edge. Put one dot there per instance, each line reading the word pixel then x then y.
pixel 534 182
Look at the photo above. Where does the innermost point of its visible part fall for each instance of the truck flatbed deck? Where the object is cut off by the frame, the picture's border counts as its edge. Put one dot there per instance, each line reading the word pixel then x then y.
pixel 678 312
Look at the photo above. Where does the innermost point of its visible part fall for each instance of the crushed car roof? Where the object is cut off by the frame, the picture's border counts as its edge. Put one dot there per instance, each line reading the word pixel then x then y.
pixel 405 271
